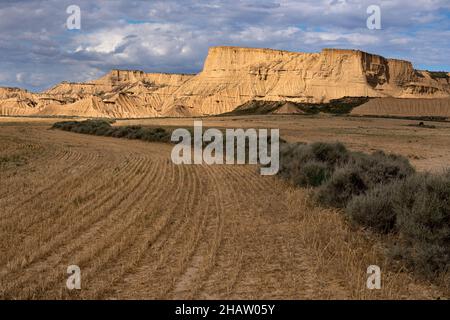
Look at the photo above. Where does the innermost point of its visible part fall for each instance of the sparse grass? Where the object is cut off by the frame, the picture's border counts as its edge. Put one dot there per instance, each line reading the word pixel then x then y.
pixel 439 75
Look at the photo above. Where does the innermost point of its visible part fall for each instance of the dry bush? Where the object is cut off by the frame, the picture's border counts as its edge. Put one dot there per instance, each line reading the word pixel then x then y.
pixel 382 168
pixel 360 174
pixel 423 218
pixel 313 173
pixel 383 193
pixel 416 208
pixel 311 165
pixel 375 209
pixel 330 153
pixel 342 255
pixel 345 183
pixel 104 128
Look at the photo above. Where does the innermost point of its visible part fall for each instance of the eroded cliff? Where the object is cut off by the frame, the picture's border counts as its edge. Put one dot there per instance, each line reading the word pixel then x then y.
pixel 231 77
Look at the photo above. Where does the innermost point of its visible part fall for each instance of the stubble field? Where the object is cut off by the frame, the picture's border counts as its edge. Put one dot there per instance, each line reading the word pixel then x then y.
pixel 140 227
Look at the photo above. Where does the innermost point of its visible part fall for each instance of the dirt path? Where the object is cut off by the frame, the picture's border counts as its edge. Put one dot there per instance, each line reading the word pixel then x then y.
pixel 140 227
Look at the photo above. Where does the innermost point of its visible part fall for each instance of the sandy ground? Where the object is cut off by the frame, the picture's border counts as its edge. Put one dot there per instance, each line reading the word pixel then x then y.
pixel 140 227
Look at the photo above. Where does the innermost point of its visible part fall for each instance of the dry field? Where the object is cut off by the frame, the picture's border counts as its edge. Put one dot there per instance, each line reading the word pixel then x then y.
pixel 140 227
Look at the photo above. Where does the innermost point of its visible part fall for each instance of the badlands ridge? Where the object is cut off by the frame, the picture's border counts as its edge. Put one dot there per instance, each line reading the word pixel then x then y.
pixel 233 76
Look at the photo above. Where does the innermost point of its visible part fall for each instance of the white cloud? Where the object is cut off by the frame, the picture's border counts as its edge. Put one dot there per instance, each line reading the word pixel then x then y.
pixel 174 35
pixel 400 41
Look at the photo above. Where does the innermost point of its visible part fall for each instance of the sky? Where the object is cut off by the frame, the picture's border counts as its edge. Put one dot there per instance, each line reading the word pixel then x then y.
pixel 38 50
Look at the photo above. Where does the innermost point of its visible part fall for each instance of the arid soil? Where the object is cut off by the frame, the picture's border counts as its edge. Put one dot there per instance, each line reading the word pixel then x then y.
pixel 140 227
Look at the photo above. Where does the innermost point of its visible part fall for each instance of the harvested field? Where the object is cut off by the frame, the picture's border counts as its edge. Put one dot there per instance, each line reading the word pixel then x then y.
pixel 140 227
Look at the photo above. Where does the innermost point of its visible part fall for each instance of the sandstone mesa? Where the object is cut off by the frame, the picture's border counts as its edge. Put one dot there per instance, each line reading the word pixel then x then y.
pixel 233 76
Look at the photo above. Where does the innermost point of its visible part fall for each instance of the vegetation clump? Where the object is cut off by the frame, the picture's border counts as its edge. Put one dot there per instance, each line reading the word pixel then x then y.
pixel 380 192
pixel 104 128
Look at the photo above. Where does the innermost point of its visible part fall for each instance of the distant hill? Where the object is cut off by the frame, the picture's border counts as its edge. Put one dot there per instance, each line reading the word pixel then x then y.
pixel 232 77
pixel 336 106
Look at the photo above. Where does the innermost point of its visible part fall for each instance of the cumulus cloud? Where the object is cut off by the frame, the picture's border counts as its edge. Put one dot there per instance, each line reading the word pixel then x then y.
pixel 173 36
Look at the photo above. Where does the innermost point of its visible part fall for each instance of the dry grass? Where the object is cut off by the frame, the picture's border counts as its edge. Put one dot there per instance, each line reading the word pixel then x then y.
pixel 344 253
pixel 141 228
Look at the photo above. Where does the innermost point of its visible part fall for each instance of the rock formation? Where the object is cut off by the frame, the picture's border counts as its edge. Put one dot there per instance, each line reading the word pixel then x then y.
pixel 231 77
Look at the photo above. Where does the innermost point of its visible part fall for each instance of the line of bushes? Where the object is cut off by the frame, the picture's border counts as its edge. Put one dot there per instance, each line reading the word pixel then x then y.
pixel 381 192
pixel 104 128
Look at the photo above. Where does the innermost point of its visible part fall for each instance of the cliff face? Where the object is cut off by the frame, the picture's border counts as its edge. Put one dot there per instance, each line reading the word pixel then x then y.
pixel 233 76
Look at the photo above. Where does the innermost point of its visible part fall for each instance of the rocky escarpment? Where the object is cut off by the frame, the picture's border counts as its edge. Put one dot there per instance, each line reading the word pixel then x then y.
pixel 231 77
pixel 118 94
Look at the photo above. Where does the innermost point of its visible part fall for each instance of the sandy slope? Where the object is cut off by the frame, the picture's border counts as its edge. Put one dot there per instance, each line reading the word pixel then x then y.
pixel 405 107
pixel 140 227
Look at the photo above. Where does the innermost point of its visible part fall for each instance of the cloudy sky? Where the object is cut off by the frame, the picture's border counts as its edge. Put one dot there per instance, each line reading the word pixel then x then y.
pixel 37 49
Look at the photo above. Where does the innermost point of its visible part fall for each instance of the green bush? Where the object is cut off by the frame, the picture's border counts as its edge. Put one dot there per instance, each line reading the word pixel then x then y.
pixel 311 165
pixel 359 174
pixel 423 221
pixel 379 167
pixel 381 192
pixel 292 158
pixel 345 183
pixel 104 128
pixel 375 209
pixel 330 153
pixel 313 173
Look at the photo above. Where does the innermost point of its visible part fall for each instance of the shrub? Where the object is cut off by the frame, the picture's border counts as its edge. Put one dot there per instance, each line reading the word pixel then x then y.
pixel 104 128
pixel 103 131
pixel 86 127
pixel 423 220
pixel 379 167
pixel 381 192
pixel 310 165
pixel 361 173
pixel 375 209
pixel 345 183
pixel 292 157
pixel 312 173
pixel 330 153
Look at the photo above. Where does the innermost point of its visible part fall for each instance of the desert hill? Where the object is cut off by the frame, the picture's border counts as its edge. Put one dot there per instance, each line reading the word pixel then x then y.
pixel 232 77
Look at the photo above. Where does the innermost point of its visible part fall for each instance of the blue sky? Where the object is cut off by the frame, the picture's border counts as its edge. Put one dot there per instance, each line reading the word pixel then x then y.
pixel 37 50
